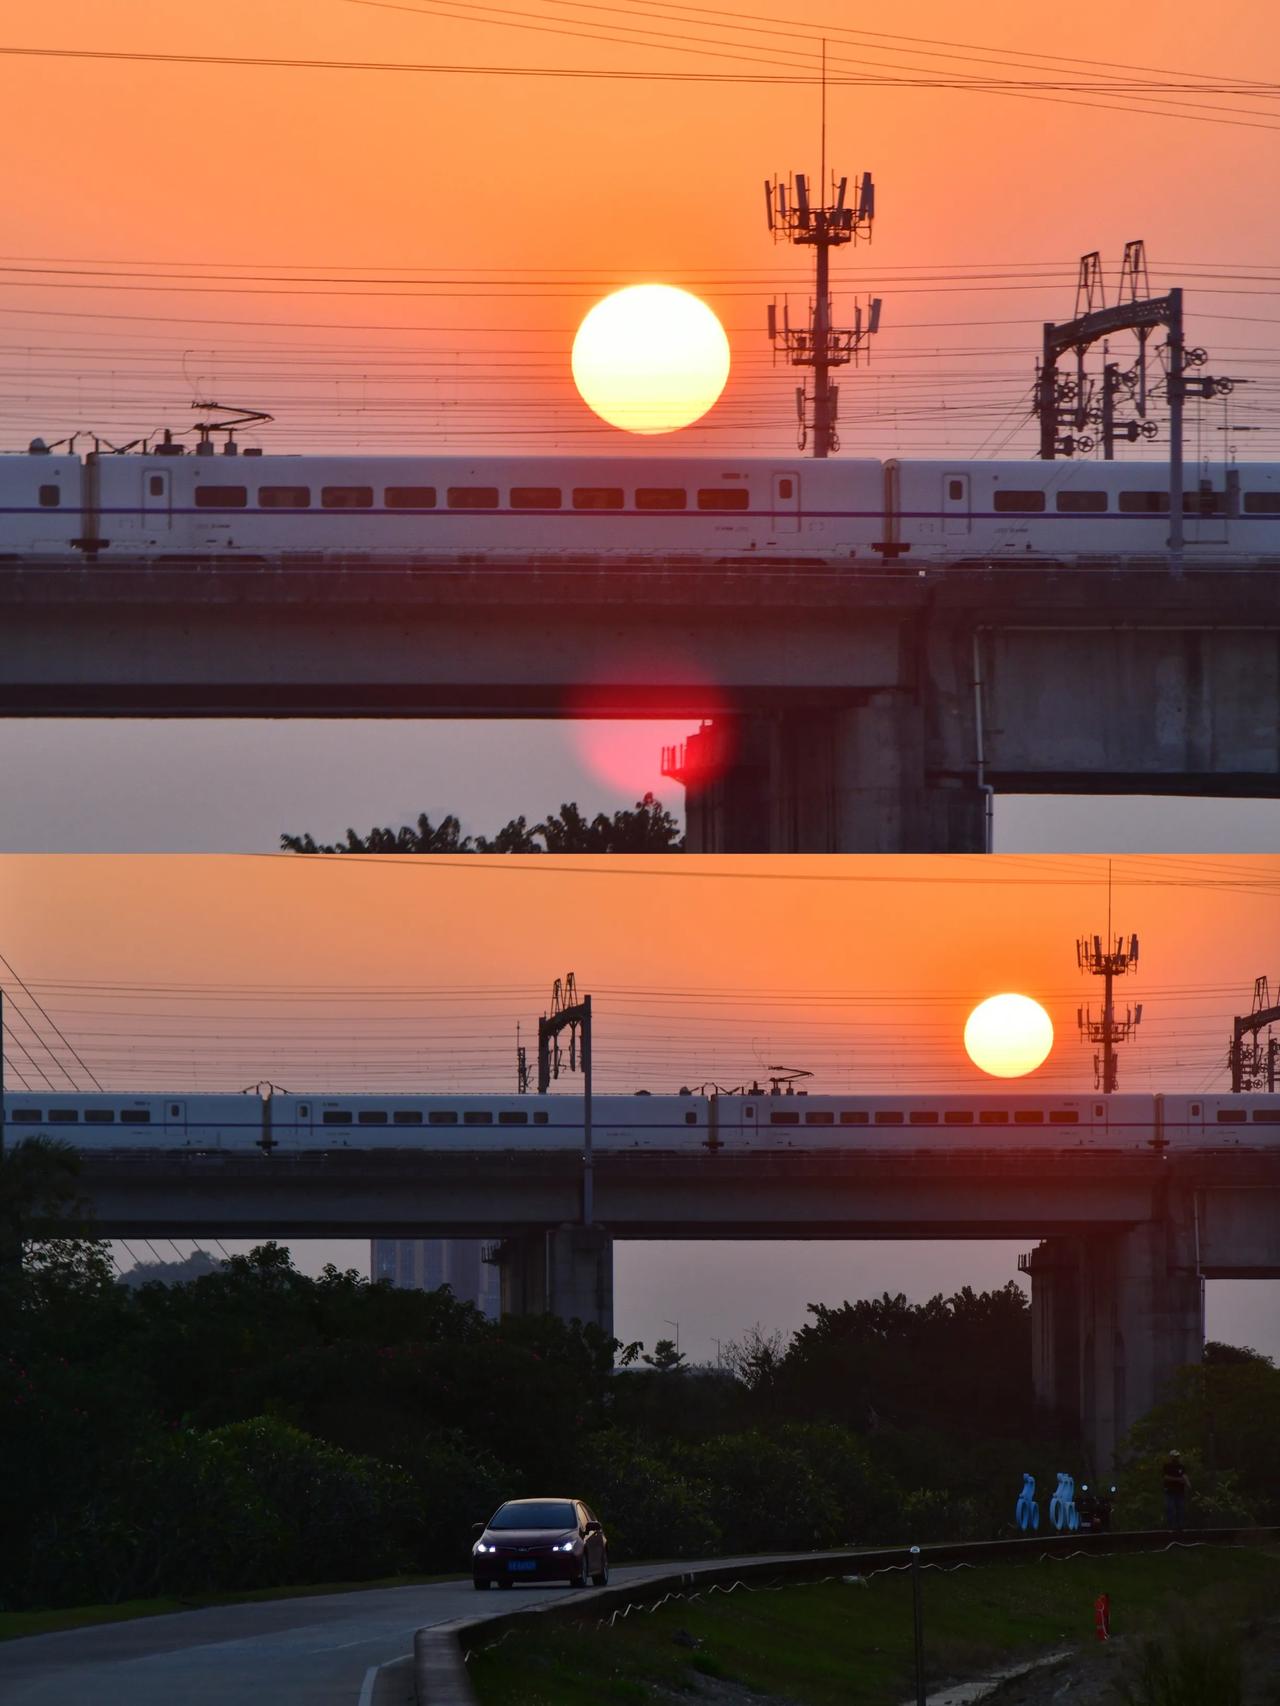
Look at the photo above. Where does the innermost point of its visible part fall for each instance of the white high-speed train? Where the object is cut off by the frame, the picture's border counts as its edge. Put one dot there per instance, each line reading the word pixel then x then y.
pixel 301 1124
pixel 166 506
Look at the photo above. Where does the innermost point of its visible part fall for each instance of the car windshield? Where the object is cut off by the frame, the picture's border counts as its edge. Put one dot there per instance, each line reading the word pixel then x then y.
pixel 536 1513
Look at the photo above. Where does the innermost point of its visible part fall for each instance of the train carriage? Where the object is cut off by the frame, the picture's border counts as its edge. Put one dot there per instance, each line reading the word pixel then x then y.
pixel 166 506
pixel 889 1122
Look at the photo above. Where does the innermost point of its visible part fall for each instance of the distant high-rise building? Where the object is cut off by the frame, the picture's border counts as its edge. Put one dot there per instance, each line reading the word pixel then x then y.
pixel 425 1263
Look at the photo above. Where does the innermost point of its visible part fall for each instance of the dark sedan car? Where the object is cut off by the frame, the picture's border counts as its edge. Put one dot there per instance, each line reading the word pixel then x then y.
pixel 541 1540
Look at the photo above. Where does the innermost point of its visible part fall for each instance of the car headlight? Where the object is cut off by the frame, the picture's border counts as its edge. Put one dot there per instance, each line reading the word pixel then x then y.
pixel 481 1547
pixel 565 1546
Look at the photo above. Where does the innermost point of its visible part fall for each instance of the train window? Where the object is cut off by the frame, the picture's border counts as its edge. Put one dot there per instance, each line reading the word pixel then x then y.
pixel 1082 503
pixel 597 497
pixel 135 1116
pixel 439 1118
pixel 786 489
pixel 410 497
pixel 1195 1107
pixel 714 498
pixel 25 1116
pixel 919 1118
pixel 64 1116
pixel 541 1119
pixel 1204 503
pixel 1023 503
pixel 535 497
pixel 174 1111
pixel 854 1117
pixel 888 1119
pixel 661 497
pixel 407 1116
pixel 304 1112
pixel 749 1113
pixel 284 497
pixel 1100 1109
pixel 338 1116
pixel 155 486
pixel 346 497
pixel 221 497
pixel 477 1116
pixel 513 1119
pixel 1232 1116
pixel 957 1116
pixel 1060 1117
pixel 1028 1116
pixel 372 1116
pixel 1266 1116
pixel 50 497
pixel 1144 503
pixel 473 497
pixel 1262 503
pixel 779 1118
pixel 993 1116
pixel 691 1119
pixel 955 490
pixel 819 1118
pixel 99 1116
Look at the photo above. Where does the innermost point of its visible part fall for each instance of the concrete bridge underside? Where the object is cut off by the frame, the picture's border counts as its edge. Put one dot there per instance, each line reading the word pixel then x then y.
pixel 848 712
pixel 1117 1283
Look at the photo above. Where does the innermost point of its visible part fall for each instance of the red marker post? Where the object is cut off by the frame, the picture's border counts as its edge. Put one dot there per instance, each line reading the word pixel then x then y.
pixel 1102 1616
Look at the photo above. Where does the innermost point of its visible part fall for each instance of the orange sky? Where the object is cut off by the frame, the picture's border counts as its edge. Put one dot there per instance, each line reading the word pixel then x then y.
pixel 284 966
pixel 472 183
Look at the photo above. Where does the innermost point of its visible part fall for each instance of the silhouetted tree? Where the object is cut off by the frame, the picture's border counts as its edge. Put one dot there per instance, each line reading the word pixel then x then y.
pixel 647 828
pixel 444 837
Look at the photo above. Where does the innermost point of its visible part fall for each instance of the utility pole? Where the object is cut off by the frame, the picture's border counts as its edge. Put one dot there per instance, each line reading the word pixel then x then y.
pixel 568 1013
pixel 795 217
pixel 1107 962
pixel 1069 401
pixel 1252 1068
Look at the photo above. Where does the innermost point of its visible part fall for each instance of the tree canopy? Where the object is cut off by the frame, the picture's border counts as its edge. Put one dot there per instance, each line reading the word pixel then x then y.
pixel 647 828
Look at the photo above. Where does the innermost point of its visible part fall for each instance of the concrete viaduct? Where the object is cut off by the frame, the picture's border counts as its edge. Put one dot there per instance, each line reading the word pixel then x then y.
pixel 874 711
pixel 1117 1281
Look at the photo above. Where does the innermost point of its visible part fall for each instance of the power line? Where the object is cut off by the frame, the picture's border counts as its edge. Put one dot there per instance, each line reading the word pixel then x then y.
pixel 53 1027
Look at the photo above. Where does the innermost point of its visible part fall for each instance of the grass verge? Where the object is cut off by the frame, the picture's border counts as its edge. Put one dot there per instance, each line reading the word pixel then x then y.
pixel 834 1644
pixel 16 1623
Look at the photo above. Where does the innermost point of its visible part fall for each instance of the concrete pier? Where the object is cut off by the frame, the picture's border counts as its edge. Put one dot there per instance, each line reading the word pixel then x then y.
pixel 567 1271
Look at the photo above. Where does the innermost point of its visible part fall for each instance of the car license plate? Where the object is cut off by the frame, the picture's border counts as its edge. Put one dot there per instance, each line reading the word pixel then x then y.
pixel 521 1564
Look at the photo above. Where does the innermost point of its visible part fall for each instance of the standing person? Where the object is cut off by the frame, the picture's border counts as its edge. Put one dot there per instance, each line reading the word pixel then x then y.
pixel 1176 1486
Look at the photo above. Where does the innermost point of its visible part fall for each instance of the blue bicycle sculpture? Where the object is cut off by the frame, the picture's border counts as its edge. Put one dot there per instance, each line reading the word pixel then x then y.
pixel 1028 1509
pixel 1062 1507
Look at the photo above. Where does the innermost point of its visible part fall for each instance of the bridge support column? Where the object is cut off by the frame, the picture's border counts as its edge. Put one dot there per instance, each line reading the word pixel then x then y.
pixel 1054 1267
pixel 848 780
pixel 567 1271
pixel 1113 1317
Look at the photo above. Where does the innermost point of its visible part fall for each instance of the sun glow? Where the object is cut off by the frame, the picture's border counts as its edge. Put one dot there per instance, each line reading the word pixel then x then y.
pixel 650 358
pixel 1008 1035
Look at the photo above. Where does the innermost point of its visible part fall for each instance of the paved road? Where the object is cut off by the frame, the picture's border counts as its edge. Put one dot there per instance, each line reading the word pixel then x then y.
pixel 283 1652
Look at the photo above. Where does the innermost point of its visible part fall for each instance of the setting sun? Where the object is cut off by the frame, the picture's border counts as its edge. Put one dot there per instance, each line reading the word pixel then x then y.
pixel 650 358
pixel 1008 1035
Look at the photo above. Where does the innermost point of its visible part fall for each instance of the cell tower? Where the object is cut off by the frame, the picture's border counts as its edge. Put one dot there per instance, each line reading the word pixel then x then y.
pixel 1253 1066
pixel 795 217
pixel 1107 962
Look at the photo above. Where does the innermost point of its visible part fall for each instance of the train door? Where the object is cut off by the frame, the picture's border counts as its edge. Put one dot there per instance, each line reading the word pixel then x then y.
pixel 157 497
pixel 1206 506
pixel 786 503
pixel 956 513
pixel 175 1121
